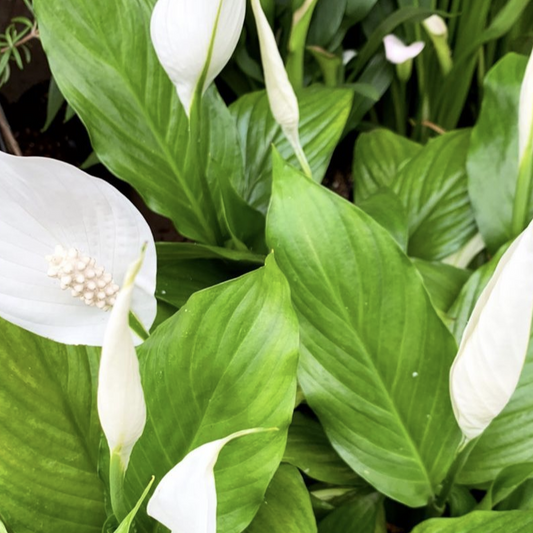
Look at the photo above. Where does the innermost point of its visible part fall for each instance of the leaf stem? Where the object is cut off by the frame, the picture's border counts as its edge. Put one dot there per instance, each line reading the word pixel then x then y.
pixel 462 455
pixel 522 197
pixel 117 473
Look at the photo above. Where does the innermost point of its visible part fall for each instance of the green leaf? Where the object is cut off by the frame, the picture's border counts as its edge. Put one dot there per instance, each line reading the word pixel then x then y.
pixel 54 103
pixel 286 507
pixel 433 189
pixel 126 524
pixel 225 362
pixel 371 170
pixel 509 479
pixel 521 498
pixel 323 115
pixel 387 210
pixel 443 282
pixel 309 449
pixel 461 501
pixel 492 162
pixel 364 514
pixel 172 251
pixel 50 435
pixel 480 522
pixel 375 356
pixel 137 125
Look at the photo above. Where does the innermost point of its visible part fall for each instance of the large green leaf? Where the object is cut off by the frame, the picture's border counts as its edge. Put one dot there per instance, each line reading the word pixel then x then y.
pixel 492 162
pixel 49 436
pixel 507 441
pixel 443 282
pixel 286 507
pixel 185 268
pixel 323 115
pixel 138 127
pixel 308 448
pixel 375 356
pixel 433 188
pixel 225 362
pixel 364 514
pixel 480 522
pixel 378 158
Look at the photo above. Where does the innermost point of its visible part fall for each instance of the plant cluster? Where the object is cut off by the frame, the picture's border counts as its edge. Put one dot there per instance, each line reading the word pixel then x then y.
pixel 305 363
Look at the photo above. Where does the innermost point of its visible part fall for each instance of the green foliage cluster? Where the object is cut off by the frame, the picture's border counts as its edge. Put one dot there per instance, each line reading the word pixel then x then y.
pixel 353 306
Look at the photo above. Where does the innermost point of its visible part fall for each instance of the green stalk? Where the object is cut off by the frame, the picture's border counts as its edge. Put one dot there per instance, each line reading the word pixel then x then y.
pixel 462 455
pixel 300 27
pixel 117 474
pixel 522 197
pixel 398 101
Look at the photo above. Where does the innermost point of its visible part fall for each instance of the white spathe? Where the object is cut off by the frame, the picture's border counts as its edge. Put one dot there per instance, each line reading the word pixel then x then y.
pixel 44 204
pixel 195 38
pixel 436 26
pixel 525 113
pixel 281 96
pixel 186 499
pixel 121 405
pixel 493 349
pixel 397 52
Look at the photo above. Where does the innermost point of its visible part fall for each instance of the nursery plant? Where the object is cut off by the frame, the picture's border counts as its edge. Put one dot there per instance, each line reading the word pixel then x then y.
pixel 301 362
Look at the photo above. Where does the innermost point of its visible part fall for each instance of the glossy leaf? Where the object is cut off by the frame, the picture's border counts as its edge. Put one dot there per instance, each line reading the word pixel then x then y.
pixel 492 162
pixel 134 104
pixel 323 115
pixel 375 356
pixel 225 362
pixel 388 211
pixel 371 170
pixel 364 514
pixel 286 507
pixel 50 435
pixel 443 282
pixel 506 482
pixel 127 523
pixel 480 522
pixel 309 449
pixel 433 189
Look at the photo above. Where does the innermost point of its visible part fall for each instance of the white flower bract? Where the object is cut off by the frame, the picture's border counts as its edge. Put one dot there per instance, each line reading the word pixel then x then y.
pixel 493 349
pixel 397 52
pixel 186 499
pixel 46 204
pixel 281 96
pixel 195 38
pixel 121 405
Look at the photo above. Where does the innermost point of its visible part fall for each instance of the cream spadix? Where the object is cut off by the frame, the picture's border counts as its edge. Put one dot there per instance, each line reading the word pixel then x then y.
pixel 186 499
pixel 66 240
pixel 281 96
pixel 492 352
pixel 121 405
pixel 194 39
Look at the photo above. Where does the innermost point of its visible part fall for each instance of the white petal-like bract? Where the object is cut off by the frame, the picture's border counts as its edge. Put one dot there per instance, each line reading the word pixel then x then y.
pixel 281 96
pixel 186 499
pixel 486 370
pixel 397 52
pixel 121 405
pixel 525 113
pixel 195 38
pixel 435 25
pixel 45 204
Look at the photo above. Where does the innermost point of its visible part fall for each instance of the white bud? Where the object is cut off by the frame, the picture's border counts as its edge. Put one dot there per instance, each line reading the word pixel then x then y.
pixel 194 39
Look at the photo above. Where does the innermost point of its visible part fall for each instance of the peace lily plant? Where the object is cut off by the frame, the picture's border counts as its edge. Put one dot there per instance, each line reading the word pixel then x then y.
pixel 300 362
